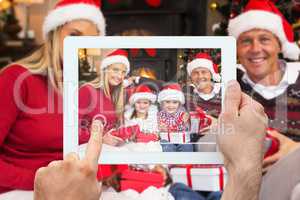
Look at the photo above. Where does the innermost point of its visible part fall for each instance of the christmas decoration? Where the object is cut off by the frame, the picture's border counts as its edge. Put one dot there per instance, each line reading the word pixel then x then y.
pixel 153 3
pixel 214 6
pixel 9 24
pixel 149 52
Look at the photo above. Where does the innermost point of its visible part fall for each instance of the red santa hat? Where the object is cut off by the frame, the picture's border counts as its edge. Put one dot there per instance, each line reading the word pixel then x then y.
pixel 205 61
pixel 263 14
pixel 142 92
pixel 171 92
pixel 117 56
pixel 69 10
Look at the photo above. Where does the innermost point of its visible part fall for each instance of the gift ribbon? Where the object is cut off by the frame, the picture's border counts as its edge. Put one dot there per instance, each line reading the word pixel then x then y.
pixel 189 175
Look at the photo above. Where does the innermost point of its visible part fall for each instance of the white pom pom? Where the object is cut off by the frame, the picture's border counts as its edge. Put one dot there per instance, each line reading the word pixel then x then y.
pixel 290 50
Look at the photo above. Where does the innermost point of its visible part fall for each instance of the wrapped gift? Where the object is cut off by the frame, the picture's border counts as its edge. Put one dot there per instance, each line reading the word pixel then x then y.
pixel 176 137
pixel 199 120
pixel 140 180
pixel 145 138
pixel 200 177
pixel 126 132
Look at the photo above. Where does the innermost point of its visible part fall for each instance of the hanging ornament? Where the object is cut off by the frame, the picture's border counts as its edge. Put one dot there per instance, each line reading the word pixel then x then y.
pixel 153 3
pixel 214 6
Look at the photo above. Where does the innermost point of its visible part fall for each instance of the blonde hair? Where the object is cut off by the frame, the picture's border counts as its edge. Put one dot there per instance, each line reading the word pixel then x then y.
pixel 47 60
pixel 118 95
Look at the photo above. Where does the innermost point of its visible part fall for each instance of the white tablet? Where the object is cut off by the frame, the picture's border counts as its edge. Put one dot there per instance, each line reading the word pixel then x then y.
pixel 137 153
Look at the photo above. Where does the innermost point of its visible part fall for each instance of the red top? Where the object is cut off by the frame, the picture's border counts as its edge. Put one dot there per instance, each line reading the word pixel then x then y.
pixel 94 103
pixel 30 126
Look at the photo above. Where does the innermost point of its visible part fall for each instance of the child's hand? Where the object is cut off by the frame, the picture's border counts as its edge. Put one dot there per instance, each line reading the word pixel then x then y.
pixel 112 140
pixel 163 171
pixel 163 127
pixel 185 117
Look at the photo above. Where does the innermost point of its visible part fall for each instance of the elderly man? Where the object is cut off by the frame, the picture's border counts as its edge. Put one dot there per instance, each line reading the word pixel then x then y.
pixel 204 90
pixel 262 35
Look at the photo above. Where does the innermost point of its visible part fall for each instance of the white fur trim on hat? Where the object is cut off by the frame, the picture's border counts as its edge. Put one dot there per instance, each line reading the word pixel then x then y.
pixel 115 59
pixel 205 63
pixel 61 15
pixel 256 19
pixel 142 95
pixel 169 95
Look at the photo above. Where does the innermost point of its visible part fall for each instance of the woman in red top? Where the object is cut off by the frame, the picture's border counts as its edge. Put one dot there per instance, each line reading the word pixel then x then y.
pixel 104 99
pixel 31 121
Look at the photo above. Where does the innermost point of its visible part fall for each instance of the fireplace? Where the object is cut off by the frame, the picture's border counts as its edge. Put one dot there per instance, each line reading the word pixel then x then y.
pixel 172 18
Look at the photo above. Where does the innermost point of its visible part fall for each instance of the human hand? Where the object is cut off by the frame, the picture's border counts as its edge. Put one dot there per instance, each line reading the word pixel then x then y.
pixel 163 127
pixel 163 171
pixel 132 79
pixel 185 117
pixel 112 140
pixel 241 134
pixel 242 128
pixel 72 178
pixel 286 146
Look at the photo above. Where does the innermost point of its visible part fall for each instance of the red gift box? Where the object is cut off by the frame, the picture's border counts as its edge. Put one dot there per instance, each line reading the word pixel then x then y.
pixel 200 177
pixel 145 138
pixel 140 180
pixel 201 119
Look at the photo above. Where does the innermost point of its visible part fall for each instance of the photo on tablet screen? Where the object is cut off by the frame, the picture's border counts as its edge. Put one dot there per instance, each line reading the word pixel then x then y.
pixel 158 97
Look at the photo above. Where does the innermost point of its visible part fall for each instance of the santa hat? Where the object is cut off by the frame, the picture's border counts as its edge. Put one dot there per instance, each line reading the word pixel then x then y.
pixel 69 10
pixel 171 92
pixel 205 61
pixel 142 92
pixel 263 14
pixel 117 56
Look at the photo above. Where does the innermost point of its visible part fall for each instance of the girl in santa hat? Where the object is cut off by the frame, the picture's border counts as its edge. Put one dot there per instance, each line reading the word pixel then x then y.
pixel 172 116
pixel 142 110
pixel 31 115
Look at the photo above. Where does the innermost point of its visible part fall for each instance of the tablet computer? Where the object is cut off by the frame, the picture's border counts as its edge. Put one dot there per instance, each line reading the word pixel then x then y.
pixel 168 59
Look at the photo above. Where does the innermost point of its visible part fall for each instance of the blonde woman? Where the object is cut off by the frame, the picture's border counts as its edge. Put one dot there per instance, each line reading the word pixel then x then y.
pixel 31 119
pixel 104 98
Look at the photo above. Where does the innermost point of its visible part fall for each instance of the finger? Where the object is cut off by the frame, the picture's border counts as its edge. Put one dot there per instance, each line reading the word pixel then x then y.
pixel 271 160
pixel 95 143
pixel 232 99
pixel 250 104
pixel 275 134
pixel 55 163
pixel 71 157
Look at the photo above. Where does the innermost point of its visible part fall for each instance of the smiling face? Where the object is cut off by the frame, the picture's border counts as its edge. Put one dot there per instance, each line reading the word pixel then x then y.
pixel 170 106
pixel 77 28
pixel 116 73
pixel 142 106
pixel 258 51
pixel 201 77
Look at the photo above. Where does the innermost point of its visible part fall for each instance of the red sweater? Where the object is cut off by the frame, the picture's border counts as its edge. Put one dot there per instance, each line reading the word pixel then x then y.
pixel 30 126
